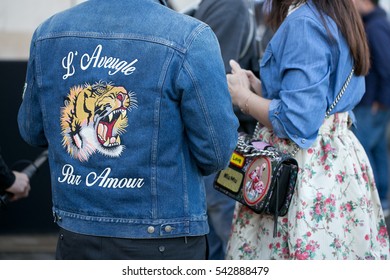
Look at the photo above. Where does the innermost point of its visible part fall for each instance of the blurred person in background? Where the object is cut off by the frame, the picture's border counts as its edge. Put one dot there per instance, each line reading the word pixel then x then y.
pixel 373 112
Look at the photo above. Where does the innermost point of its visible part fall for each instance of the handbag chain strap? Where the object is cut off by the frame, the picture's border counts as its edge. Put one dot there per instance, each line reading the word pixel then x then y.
pixel 249 150
pixel 341 93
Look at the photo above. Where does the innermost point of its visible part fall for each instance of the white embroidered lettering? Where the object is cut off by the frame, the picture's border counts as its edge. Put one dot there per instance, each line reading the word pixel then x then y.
pixel 102 180
pixel 94 57
pixel 68 177
pixel 114 64
pixel 108 62
pixel 102 61
pixel 111 182
pixel 129 69
pixel 101 177
pixel 67 65
pixel 135 183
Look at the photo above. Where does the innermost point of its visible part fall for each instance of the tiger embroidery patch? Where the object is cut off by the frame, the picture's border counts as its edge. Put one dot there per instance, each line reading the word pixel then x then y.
pixel 94 118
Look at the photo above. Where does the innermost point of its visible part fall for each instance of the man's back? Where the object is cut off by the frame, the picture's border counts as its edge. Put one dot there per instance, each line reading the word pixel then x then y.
pixel 131 99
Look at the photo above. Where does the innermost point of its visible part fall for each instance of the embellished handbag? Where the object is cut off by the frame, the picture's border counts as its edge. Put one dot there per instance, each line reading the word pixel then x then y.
pixel 261 177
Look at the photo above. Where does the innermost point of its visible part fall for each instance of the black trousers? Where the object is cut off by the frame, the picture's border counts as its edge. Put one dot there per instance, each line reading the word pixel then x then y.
pixel 74 246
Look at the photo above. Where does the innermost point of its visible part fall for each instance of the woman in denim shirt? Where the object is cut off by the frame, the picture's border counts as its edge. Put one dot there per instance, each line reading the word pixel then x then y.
pixel 335 212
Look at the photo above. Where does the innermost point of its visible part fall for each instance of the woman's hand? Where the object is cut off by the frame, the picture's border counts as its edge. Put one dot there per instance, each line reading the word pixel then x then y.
pixel 254 82
pixel 245 90
pixel 239 84
pixel 21 187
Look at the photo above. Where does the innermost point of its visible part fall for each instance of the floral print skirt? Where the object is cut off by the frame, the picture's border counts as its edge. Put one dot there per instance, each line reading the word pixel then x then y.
pixel 335 212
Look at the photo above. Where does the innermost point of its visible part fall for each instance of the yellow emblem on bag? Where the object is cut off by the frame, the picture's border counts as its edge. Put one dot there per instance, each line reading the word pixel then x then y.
pixel 231 179
pixel 237 160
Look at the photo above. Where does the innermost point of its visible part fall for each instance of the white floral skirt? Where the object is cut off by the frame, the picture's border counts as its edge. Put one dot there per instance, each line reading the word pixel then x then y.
pixel 335 212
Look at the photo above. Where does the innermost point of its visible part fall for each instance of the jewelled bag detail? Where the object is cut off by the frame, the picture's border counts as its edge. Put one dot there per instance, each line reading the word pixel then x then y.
pixel 259 177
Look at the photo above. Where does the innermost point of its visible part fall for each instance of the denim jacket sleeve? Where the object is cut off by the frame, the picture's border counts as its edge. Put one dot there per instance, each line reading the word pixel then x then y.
pixel 207 112
pixel 303 58
pixel 30 115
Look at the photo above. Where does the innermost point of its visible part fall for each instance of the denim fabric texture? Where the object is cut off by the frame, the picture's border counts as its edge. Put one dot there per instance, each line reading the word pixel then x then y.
pixel 297 110
pixel 132 101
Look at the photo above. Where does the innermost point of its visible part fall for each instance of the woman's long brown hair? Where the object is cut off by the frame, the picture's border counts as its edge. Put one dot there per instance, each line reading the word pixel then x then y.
pixel 344 14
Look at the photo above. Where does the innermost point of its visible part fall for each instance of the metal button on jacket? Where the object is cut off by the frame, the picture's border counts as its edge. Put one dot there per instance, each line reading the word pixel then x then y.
pixel 168 229
pixel 151 229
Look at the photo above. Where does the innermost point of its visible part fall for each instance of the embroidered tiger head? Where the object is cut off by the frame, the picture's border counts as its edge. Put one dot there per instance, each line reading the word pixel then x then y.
pixel 94 118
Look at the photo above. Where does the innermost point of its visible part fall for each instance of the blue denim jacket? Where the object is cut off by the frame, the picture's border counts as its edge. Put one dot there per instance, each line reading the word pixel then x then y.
pixel 132 101
pixel 303 70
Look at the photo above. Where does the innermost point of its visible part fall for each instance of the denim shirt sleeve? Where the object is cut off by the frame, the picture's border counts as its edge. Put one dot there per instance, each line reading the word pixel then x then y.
pixel 303 51
pixel 30 118
pixel 206 107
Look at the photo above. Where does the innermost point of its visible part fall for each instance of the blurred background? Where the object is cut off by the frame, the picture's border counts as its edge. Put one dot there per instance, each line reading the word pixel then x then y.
pixel 27 230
